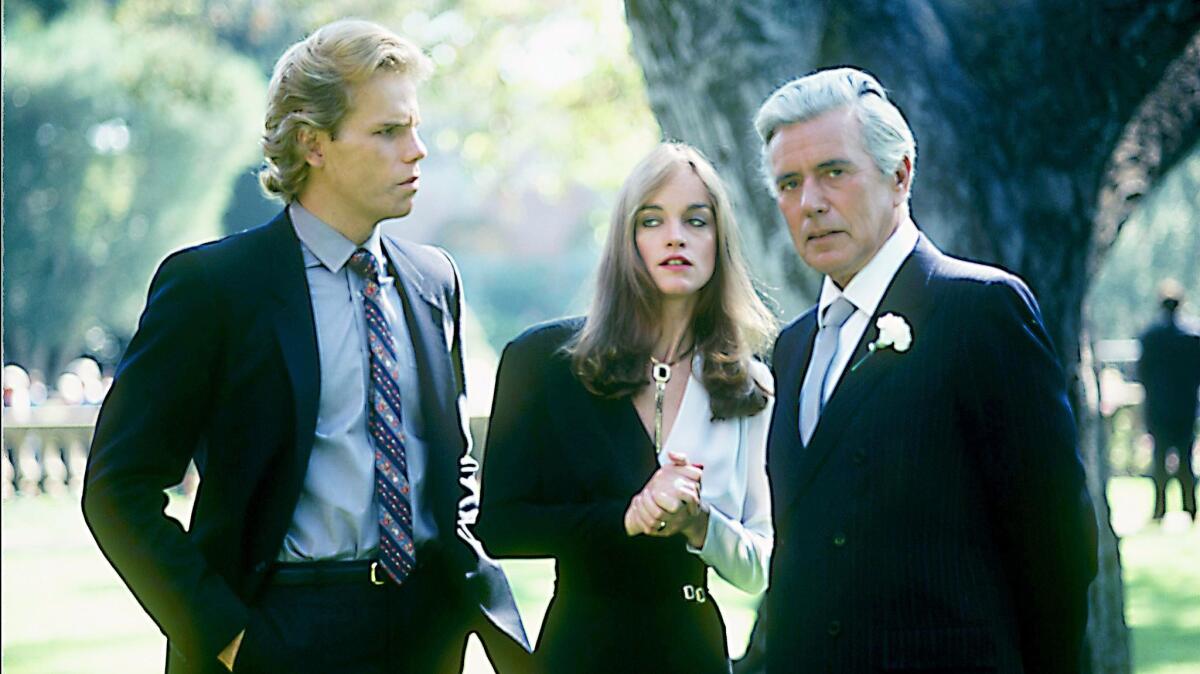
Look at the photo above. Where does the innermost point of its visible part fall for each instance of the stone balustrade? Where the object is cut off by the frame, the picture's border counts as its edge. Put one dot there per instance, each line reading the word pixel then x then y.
pixel 45 449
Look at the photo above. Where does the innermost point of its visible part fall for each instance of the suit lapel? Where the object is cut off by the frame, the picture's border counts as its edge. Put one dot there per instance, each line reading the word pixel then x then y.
pixel 785 447
pixel 425 313
pixel 907 297
pixel 295 330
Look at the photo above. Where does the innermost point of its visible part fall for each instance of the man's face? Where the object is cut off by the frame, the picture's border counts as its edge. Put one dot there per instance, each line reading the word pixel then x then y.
pixel 367 171
pixel 839 207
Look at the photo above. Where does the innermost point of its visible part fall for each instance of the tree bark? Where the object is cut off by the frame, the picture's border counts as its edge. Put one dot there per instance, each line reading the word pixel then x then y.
pixel 1039 126
pixel 1107 635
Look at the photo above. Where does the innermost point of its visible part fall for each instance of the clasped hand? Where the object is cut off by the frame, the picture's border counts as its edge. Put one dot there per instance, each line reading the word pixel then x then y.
pixel 670 501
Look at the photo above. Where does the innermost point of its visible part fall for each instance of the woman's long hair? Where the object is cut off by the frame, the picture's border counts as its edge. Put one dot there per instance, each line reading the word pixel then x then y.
pixel 730 323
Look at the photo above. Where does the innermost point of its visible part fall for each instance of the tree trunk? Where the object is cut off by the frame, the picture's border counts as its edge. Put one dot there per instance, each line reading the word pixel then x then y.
pixel 1107 634
pixel 1039 125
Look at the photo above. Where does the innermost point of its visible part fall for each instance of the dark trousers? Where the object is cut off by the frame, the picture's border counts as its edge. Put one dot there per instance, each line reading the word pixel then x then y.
pixel 330 617
pixel 1164 444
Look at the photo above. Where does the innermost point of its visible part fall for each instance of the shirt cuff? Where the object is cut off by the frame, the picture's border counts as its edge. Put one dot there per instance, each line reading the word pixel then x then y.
pixel 718 523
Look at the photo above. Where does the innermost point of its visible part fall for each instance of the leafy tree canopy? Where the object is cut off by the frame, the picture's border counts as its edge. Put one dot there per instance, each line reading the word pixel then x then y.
pixel 120 145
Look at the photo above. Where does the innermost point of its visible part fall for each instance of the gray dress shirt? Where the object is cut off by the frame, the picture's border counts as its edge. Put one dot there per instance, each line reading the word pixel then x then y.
pixel 336 517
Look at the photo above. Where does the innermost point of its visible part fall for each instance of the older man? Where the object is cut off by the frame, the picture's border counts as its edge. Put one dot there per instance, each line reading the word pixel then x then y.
pixel 930 505
pixel 311 368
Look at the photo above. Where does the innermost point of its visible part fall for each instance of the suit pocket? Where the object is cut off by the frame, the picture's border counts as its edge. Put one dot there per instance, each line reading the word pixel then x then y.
pixel 262 648
pixel 302 629
pixel 969 649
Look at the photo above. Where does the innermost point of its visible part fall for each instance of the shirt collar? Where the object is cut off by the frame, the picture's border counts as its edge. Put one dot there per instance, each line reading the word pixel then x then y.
pixel 330 248
pixel 865 291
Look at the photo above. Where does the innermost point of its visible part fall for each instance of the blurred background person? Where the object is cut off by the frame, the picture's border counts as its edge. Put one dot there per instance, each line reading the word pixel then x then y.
pixel 1169 369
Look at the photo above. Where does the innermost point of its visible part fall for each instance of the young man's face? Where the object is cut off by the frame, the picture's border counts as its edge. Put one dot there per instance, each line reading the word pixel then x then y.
pixel 367 171
pixel 840 208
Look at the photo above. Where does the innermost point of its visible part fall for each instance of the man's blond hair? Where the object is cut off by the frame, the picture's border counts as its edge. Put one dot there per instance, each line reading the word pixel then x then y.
pixel 311 87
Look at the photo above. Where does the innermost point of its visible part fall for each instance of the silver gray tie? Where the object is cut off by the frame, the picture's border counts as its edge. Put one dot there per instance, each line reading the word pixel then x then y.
pixel 812 399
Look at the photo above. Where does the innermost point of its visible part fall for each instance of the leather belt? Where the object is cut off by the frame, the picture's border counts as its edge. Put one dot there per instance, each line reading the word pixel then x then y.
pixel 364 572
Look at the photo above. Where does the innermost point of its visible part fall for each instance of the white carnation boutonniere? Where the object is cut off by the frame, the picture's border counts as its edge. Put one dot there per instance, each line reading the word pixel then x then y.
pixel 894 333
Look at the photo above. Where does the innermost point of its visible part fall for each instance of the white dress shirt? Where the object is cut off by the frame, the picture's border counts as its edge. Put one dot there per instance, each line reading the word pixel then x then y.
pixel 865 291
pixel 734 486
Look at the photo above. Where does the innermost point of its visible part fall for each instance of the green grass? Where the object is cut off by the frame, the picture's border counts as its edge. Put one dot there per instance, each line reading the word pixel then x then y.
pixel 66 611
pixel 1162 578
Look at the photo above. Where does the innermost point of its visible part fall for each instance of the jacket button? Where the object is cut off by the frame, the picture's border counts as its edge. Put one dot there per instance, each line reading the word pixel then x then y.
pixel 835 628
pixel 859 456
pixel 260 567
pixel 839 540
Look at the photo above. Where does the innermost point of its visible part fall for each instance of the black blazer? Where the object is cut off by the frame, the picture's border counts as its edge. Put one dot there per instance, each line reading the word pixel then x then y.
pixel 561 467
pixel 223 369
pixel 939 518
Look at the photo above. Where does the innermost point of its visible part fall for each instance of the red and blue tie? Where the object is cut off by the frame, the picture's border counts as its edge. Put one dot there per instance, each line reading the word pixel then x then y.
pixel 396 551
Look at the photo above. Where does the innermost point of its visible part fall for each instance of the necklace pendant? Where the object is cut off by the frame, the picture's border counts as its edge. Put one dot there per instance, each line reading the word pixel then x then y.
pixel 661 372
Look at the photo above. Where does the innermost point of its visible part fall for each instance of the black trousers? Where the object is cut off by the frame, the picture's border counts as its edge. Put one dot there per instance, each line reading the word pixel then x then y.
pixel 1164 443
pixel 329 617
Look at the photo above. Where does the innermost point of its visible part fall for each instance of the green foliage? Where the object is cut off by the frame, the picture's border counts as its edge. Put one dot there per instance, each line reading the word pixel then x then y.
pixel 534 116
pixel 538 91
pixel 545 110
pixel 541 93
pixel 1161 241
pixel 260 29
pixel 120 144
pixel 520 294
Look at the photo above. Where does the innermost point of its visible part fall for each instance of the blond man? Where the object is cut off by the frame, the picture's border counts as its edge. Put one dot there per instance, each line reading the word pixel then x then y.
pixel 311 368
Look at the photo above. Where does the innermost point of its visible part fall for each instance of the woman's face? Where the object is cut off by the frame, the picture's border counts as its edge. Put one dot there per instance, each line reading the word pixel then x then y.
pixel 676 234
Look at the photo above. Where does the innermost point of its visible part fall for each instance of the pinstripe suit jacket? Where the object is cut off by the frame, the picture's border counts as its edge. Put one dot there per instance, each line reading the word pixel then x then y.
pixel 939 517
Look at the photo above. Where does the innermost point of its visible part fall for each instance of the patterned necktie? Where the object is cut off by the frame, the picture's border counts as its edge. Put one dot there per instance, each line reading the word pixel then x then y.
pixel 812 393
pixel 396 552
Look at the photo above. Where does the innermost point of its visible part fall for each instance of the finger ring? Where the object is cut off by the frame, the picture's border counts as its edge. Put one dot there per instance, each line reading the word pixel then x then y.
pixel 661 525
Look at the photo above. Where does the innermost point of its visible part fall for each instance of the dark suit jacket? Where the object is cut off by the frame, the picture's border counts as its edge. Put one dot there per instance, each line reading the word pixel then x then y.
pixel 1169 368
pixel 223 369
pixel 939 518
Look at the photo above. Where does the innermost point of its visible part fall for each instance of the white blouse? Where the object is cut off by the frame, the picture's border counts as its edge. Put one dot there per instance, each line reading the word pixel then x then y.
pixel 734 485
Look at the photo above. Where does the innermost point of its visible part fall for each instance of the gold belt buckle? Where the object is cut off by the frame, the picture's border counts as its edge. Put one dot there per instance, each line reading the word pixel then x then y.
pixel 375 579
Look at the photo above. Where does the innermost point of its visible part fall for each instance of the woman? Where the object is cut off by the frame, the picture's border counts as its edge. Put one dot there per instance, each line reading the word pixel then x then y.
pixel 630 445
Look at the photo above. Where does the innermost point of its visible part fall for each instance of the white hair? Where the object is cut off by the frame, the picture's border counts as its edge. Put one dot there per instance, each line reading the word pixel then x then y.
pixel 885 133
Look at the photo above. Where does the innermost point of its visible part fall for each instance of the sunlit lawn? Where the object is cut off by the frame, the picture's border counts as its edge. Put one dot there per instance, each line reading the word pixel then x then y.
pixel 1162 578
pixel 65 611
